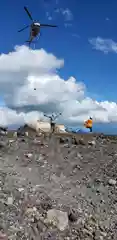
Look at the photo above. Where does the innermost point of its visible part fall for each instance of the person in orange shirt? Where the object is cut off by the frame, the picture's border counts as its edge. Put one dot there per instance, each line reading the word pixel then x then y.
pixel 89 123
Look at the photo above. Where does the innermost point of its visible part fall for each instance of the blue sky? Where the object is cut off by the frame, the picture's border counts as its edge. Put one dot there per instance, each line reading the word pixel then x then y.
pixel 90 19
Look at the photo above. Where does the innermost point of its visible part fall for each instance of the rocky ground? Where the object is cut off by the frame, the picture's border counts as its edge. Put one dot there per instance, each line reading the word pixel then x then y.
pixel 56 189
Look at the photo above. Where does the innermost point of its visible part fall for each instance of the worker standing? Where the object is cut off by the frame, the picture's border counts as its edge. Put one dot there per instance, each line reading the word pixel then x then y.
pixel 88 124
pixel 52 121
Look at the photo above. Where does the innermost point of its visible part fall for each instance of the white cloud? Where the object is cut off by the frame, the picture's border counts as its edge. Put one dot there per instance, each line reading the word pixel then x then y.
pixel 75 35
pixel 24 69
pixel 67 14
pixel 48 15
pixel 12 117
pixel 66 24
pixel 107 19
pixel 104 45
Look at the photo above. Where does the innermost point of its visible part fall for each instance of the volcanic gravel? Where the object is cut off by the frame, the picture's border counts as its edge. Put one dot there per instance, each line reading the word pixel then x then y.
pixel 57 190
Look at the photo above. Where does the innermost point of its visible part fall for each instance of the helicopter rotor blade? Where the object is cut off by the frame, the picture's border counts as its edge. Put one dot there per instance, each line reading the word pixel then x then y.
pixel 23 28
pixel 47 25
pixel 25 8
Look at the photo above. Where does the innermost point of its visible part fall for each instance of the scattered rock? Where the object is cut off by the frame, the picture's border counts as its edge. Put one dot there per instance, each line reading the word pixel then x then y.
pixel 58 219
pixel 15 134
pixel 26 134
pixel 28 155
pixel 92 143
pixel 63 140
pixel 2 144
pixel 3 236
pixel 3 131
pixel 11 141
pixel 81 142
pixel 112 182
pixel 79 156
pixel 46 204
pixel 10 201
pixel 30 211
pixel 73 180
pixel 21 189
pixel 17 158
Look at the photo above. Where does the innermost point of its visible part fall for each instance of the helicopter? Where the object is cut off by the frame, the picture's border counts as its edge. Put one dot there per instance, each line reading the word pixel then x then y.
pixel 34 27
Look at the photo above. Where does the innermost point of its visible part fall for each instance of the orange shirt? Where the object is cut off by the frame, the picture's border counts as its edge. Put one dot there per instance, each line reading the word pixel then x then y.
pixel 88 123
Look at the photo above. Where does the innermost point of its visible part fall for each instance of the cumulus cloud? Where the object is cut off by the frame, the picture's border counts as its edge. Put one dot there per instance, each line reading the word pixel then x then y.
pixel 12 117
pixel 104 45
pixel 31 85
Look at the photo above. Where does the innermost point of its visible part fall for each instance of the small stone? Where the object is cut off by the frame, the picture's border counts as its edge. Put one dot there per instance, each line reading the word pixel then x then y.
pixel 21 189
pixel 28 155
pixel 79 155
pixel 63 140
pixel 66 145
pixel 22 140
pixel 17 158
pixel 112 182
pixel 31 210
pixel 10 200
pixel 2 144
pixel 58 218
pixel 15 134
pixel 87 232
pixel 3 133
pixel 34 209
pixel 96 234
pixel 11 141
pixel 46 204
pixel 92 143
pixel 104 234
pixel 101 238
pixel 41 158
pixel 81 142
pixel 26 134
pixel 3 236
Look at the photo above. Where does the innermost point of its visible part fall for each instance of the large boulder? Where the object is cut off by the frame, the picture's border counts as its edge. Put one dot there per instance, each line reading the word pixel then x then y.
pixel 3 131
pixel 24 130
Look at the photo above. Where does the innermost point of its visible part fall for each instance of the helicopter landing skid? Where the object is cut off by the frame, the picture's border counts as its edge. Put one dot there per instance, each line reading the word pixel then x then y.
pixel 33 42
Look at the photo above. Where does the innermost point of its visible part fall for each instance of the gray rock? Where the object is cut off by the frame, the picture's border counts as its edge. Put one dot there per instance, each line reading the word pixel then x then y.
pixel 28 155
pixel 81 142
pixel 112 182
pixel 3 236
pixel 10 201
pixel 92 143
pixel 58 219
pixel 2 144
